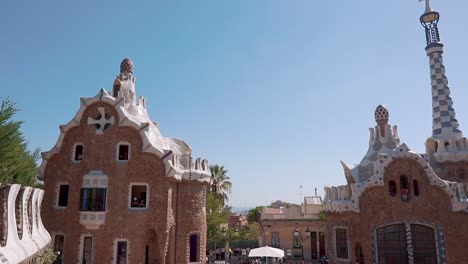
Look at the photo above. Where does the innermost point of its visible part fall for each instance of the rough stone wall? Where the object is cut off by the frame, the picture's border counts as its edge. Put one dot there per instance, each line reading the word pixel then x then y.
pixel 379 208
pixel 191 219
pixel 139 227
pixel 457 171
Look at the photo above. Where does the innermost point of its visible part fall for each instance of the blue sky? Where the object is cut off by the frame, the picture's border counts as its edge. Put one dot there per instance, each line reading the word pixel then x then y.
pixel 276 91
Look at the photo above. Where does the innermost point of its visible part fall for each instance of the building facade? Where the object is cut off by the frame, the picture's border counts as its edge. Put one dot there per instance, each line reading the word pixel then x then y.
pixel 117 191
pixel 298 230
pixel 399 206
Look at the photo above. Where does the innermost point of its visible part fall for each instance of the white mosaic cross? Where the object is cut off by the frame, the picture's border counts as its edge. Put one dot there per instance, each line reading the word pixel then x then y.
pixel 102 121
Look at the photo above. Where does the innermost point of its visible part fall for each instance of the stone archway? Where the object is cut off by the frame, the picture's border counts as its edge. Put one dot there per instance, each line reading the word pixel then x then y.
pixel 152 249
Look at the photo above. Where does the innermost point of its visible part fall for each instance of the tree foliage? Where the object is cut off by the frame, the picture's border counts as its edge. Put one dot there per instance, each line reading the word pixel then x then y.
pixel 249 231
pixel 253 216
pixel 17 164
pixel 217 215
pixel 220 184
pixel 47 257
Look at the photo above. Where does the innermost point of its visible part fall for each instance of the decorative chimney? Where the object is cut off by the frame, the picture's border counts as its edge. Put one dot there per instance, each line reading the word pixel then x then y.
pixel 124 84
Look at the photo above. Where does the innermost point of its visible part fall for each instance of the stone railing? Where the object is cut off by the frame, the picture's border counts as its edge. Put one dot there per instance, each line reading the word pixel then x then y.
pixel 22 234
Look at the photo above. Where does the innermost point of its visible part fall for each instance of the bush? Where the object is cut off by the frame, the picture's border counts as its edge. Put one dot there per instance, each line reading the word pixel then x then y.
pixel 47 257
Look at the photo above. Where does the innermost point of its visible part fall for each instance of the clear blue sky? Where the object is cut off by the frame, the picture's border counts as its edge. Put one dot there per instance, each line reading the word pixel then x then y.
pixel 276 91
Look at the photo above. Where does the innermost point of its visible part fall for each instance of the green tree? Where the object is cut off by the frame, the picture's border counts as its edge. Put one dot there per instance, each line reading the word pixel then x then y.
pixel 217 215
pixel 249 231
pixel 253 216
pixel 220 184
pixel 17 164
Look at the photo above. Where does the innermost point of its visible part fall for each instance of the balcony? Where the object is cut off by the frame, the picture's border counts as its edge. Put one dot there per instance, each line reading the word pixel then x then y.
pixel 92 220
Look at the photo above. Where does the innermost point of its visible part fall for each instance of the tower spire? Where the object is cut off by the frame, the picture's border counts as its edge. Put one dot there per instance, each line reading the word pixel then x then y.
pixel 444 123
pixel 447 142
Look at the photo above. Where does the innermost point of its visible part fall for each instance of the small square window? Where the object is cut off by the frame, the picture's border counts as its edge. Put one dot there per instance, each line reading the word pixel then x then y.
pixel 78 155
pixel 123 152
pixel 138 196
pixel 63 195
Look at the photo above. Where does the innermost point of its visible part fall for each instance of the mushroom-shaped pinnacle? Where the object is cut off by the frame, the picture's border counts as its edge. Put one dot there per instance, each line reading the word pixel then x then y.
pixel 381 114
pixel 126 66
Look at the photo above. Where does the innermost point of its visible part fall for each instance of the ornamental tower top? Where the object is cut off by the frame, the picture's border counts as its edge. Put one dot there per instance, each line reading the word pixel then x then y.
pixel 447 142
pixel 124 84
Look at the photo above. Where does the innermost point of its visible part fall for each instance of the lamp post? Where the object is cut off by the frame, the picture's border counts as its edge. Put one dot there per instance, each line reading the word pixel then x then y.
pixel 228 236
pixel 301 238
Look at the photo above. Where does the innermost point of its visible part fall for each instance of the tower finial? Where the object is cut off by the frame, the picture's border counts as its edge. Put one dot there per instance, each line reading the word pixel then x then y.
pixel 124 84
pixel 429 21
pixel 381 118
pixel 428 6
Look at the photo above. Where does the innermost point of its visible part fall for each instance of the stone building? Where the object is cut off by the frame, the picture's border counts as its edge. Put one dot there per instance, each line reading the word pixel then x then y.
pixel 399 206
pixel 117 191
pixel 298 230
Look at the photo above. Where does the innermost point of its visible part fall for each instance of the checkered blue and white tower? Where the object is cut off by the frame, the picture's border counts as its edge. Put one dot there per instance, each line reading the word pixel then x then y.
pixel 446 136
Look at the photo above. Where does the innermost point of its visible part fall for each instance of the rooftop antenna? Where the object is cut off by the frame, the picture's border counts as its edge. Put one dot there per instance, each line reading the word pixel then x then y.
pixel 300 193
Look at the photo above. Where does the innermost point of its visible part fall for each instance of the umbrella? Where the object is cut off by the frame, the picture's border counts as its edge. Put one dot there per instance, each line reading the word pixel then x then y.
pixel 266 252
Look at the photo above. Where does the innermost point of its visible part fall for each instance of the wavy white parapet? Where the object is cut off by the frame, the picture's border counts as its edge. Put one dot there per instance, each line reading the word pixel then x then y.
pixel 136 116
pixel 347 197
pixel 34 238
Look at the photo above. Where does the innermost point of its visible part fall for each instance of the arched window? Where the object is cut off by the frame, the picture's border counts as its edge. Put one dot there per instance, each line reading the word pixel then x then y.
pixel 404 188
pixel 391 244
pixel 423 239
pixel 392 188
pixel 415 187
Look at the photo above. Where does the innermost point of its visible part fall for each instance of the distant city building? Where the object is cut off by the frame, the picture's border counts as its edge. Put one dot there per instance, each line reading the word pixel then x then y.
pixel 286 228
pixel 399 206
pixel 237 221
pixel 117 191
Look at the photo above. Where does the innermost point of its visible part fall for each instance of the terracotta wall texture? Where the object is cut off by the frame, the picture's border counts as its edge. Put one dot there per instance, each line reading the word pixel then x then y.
pixel 432 207
pixel 175 209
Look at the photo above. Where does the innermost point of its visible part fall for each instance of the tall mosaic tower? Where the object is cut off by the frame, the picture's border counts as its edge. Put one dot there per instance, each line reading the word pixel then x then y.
pixel 447 142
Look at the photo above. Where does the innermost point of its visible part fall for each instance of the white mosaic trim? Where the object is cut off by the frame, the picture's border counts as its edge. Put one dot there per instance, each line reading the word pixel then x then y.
pixel 200 254
pixel 95 179
pixel 357 189
pixel 153 142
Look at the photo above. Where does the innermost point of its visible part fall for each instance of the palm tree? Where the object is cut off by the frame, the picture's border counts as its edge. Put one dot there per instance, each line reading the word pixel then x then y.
pixel 220 184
